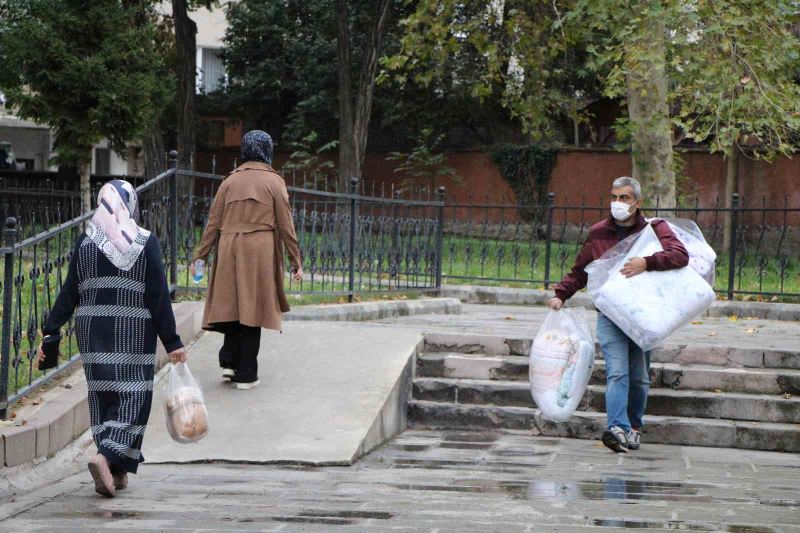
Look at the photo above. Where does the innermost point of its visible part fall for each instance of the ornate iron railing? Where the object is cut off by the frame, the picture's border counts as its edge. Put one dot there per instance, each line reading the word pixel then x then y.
pixel 350 243
pixel 524 245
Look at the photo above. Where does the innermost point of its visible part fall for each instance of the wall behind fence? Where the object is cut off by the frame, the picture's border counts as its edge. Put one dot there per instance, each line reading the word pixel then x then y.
pixel 582 174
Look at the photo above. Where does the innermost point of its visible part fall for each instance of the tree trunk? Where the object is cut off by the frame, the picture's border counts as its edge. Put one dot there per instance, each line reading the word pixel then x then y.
pixel 85 169
pixel 731 186
pixel 354 117
pixel 154 162
pixel 348 163
pixel 186 50
pixel 645 59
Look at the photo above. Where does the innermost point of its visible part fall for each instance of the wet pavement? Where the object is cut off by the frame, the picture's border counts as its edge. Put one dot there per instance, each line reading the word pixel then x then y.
pixel 445 482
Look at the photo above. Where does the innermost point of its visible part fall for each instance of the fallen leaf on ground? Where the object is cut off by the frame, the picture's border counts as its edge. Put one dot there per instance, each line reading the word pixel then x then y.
pixel 510 318
pixel 717 390
pixel 697 322
pixel 733 318
pixel 12 416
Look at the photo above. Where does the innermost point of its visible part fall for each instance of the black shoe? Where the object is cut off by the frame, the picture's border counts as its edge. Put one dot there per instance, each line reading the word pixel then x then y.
pixel 615 439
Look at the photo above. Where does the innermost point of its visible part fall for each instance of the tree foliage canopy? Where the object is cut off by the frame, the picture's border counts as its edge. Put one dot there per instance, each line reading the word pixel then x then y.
pixel 87 69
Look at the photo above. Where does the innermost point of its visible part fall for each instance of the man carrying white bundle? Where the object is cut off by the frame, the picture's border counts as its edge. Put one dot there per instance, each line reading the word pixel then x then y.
pixel 627 365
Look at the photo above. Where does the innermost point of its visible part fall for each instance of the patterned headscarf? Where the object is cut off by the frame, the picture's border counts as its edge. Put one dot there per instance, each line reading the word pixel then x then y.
pixel 113 227
pixel 256 146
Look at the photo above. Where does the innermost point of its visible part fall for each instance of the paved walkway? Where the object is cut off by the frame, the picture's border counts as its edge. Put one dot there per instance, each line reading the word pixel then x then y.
pixel 323 386
pixel 446 482
pixel 451 482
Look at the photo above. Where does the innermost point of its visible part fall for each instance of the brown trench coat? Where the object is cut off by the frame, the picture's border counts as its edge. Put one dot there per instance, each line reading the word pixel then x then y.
pixel 250 222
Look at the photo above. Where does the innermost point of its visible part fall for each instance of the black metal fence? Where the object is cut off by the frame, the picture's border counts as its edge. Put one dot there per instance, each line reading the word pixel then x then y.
pixel 536 245
pixel 365 241
pixel 351 243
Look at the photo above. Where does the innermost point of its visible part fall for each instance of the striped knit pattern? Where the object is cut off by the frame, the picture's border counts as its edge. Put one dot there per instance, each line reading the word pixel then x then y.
pixel 117 341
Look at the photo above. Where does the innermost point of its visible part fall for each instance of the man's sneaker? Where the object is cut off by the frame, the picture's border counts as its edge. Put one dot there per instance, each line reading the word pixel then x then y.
pixel 227 373
pixel 246 385
pixel 616 439
pixel 634 439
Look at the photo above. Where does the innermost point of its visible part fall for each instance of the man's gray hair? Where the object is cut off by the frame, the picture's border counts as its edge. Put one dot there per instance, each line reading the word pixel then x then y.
pixel 625 181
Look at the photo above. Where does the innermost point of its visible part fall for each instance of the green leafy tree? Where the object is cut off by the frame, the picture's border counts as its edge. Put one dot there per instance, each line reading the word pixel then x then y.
pixel 87 70
pixel 424 164
pixel 734 67
pixel 512 52
pixel 307 156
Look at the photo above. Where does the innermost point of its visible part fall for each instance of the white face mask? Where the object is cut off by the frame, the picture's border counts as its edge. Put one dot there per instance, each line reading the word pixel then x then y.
pixel 620 210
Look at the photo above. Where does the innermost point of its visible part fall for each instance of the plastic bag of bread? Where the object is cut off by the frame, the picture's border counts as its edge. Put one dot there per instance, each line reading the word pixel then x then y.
pixel 187 417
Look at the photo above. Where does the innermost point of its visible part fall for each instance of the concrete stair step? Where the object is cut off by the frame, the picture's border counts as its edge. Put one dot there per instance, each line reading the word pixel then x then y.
pixel 663 402
pixel 590 425
pixel 662 375
pixel 699 354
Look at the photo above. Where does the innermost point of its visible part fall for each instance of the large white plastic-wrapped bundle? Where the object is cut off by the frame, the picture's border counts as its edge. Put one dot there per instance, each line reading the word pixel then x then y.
pixel 702 257
pixel 650 306
pixel 561 362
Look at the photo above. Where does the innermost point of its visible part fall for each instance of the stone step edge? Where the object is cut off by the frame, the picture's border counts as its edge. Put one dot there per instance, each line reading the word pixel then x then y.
pixel 589 425
pixel 478 294
pixel 665 402
pixel 673 393
pixel 490 344
pixel 361 311
pixel 57 424
pixel 523 360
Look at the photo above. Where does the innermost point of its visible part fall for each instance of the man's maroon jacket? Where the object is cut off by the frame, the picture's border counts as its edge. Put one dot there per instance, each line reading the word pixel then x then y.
pixel 604 235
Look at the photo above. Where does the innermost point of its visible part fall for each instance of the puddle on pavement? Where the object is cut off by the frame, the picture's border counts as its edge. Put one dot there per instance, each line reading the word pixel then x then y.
pixel 679 526
pixel 437 464
pixel 466 445
pixel 412 447
pixel 520 453
pixel 102 514
pixel 470 437
pixel 377 515
pixel 345 517
pixel 315 520
pixel 607 489
pixel 637 524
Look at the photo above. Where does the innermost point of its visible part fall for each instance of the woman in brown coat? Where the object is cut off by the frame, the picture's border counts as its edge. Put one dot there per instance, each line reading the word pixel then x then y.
pixel 250 223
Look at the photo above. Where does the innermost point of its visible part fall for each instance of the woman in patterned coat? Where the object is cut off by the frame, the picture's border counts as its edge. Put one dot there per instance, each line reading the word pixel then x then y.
pixel 116 281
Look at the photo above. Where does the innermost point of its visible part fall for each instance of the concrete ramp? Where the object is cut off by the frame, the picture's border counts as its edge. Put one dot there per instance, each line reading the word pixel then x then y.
pixel 329 393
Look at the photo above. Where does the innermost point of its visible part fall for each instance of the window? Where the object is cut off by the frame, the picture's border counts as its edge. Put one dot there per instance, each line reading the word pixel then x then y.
pixel 102 161
pixel 212 70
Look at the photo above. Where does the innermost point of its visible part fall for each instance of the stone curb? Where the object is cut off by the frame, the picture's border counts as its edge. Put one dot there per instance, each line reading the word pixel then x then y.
pixel 474 294
pixel 358 312
pixel 57 424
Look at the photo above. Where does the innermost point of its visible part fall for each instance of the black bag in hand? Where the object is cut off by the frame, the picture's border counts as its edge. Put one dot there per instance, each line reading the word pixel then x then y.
pixel 50 346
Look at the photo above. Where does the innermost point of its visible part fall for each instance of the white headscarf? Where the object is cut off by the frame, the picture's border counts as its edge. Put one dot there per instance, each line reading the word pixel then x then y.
pixel 113 227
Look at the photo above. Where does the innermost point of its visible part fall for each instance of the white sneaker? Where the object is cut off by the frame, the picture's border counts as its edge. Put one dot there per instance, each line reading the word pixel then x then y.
pixel 227 373
pixel 245 386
